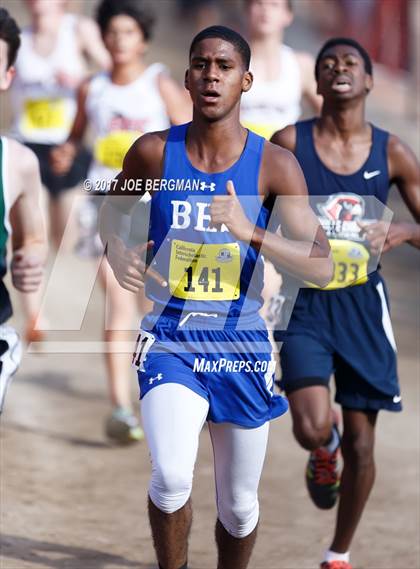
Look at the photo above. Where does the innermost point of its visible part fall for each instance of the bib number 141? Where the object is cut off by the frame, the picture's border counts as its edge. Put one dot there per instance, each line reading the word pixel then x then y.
pixel 203 280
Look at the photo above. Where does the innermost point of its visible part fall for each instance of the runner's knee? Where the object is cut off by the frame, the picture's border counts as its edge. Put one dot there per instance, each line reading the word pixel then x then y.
pixel 312 433
pixel 170 487
pixel 239 515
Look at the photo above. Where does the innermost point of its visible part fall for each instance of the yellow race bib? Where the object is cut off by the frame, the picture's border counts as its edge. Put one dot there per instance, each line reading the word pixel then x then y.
pixel 41 114
pixel 111 149
pixel 201 271
pixel 350 264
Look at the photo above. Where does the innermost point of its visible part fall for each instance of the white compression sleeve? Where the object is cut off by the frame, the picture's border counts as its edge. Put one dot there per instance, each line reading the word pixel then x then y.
pixel 172 417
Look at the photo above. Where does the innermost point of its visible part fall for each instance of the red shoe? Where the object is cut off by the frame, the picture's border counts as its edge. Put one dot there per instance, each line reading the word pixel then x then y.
pixel 335 565
pixel 32 333
pixel 323 478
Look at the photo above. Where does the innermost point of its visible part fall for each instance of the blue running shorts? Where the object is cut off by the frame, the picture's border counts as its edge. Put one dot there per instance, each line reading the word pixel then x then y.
pixel 232 369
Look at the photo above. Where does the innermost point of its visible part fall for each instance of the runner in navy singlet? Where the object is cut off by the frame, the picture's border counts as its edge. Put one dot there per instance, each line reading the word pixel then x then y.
pixel 345 329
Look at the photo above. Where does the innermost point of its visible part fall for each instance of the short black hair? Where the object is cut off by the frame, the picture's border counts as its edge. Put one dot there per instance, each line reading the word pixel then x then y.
pixel 289 4
pixel 10 33
pixel 344 41
pixel 226 34
pixel 108 9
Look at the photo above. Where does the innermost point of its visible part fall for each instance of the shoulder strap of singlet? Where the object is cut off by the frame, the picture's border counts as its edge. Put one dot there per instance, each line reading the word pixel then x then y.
pixel 177 133
pixel 254 142
pixel 304 140
pixel 380 137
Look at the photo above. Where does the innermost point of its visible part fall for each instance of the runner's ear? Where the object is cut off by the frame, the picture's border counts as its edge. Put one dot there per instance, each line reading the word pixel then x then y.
pixel 247 81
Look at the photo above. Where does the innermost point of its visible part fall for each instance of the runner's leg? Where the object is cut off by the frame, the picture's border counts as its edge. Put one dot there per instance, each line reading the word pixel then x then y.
pixel 358 475
pixel 173 416
pixel 312 416
pixel 238 457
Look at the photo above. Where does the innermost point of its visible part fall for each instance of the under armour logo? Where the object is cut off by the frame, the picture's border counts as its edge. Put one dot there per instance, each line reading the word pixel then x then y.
pixel 211 186
pixel 157 378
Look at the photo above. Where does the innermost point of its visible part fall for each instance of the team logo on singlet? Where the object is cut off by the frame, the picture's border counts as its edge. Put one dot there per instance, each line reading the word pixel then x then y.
pixel 343 207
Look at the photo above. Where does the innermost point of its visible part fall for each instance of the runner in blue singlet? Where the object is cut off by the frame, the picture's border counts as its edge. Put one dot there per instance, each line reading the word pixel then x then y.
pixel 203 352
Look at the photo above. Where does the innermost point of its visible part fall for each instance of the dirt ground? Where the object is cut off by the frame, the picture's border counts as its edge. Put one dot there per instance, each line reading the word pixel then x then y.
pixel 69 500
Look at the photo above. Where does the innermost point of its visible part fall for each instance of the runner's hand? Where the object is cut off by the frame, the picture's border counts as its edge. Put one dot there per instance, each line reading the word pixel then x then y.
pixel 383 236
pixel 27 271
pixel 128 266
pixel 62 158
pixel 228 210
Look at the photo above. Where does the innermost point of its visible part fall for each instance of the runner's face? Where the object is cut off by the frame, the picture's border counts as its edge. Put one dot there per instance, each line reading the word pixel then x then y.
pixel 268 17
pixel 342 75
pixel 124 39
pixel 216 78
pixel 6 74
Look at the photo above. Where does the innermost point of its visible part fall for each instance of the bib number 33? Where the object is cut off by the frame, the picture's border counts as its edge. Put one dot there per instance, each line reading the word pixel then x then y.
pixel 350 264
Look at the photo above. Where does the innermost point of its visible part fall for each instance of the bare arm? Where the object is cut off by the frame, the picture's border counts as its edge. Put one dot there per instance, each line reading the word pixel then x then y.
pixel 62 156
pixel 177 101
pixel 91 43
pixel 142 162
pixel 28 232
pixel 309 88
pixel 404 171
pixel 286 138
pixel 305 251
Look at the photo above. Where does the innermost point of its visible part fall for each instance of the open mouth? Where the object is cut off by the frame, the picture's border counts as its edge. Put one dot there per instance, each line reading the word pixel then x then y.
pixel 210 96
pixel 341 85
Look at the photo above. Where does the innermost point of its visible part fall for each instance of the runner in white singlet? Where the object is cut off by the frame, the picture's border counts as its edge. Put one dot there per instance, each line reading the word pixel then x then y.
pixel 119 106
pixel 50 66
pixel 282 78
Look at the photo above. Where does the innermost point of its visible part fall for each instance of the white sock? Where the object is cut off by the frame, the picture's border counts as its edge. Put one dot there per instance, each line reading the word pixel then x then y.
pixel 333 556
pixel 334 443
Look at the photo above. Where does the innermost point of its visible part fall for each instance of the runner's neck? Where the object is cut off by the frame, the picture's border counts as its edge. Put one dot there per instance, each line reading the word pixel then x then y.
pixel 214 147
pixel 343 123
pixel 126 73
pixel 268 46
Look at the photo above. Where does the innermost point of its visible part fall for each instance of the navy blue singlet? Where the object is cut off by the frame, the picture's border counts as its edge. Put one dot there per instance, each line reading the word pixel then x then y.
pixel 346 329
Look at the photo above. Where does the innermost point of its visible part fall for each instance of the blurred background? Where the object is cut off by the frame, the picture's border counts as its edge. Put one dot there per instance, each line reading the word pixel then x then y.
pixel 66 502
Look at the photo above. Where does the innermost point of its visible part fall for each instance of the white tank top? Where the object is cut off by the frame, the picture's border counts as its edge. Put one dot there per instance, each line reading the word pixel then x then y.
pixel 119 114
pixel 43 109
pixel 272 105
